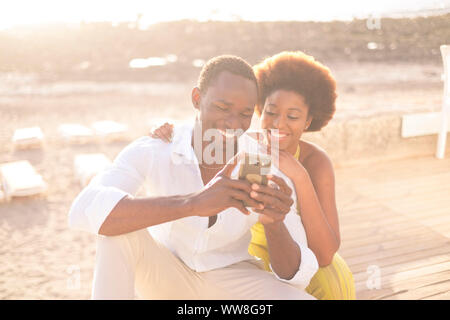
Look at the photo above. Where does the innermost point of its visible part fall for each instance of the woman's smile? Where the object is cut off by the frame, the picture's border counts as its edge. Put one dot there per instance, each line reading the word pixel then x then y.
pixel 285 117
pixel 278 134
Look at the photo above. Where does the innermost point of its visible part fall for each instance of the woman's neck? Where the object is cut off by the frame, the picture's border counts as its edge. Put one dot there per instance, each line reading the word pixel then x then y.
pixel 293 148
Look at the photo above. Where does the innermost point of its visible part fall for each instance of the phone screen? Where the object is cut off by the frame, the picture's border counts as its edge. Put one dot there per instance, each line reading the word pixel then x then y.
pixel 255 168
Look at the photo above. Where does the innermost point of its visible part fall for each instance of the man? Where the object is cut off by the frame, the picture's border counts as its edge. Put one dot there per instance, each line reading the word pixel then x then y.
pixel 198 232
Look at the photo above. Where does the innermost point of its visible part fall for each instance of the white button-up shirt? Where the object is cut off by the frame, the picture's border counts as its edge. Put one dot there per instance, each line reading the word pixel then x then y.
pixel 165 169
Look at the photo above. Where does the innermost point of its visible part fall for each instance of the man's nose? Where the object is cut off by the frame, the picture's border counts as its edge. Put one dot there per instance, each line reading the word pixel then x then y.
pixel 233 122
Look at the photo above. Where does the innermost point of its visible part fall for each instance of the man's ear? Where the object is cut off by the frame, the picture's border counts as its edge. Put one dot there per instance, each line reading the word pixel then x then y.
pixel 196 98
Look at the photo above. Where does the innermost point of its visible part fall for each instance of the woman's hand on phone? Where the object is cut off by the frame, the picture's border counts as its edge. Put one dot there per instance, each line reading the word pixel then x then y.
pixel 277 201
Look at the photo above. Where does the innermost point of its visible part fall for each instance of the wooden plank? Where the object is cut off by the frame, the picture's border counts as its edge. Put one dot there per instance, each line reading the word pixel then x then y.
pixel 419 205
pixel 407 198
pixel 385 257
pixel 395 215
pixel 422 292
pixel 439 296
pixel 393 170
pixel 404 266
pixel 420 200
pixel 386 245
pixel 425 187
pixel 404 275
pixel 396 260
pixel 400 220
pixel 383 237
pixel 405 281
pixel 380 231
pixel 374 221
pixel 401 286
pixel 414 185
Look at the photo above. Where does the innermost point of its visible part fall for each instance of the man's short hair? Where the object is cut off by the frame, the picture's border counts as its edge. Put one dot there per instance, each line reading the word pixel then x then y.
pixel 216 65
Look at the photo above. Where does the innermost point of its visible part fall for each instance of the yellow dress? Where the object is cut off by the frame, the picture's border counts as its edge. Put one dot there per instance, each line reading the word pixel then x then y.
pixel 333 282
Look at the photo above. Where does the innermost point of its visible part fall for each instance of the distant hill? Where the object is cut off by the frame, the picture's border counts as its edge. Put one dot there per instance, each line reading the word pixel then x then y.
pixel 103 51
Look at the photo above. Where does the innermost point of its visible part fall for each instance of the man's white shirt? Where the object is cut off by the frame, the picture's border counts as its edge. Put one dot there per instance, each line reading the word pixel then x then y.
pixel 165 169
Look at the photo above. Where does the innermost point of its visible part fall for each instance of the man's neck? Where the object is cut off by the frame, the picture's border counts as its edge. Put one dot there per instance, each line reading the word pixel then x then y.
pixel 212 161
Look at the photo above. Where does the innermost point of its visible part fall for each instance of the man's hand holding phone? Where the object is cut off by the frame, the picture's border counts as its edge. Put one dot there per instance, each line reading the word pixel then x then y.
pixel 222 192
pixel 275 196
pixel 252 190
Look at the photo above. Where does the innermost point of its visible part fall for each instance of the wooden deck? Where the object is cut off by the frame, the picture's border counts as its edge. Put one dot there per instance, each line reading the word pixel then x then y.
pixel 395 226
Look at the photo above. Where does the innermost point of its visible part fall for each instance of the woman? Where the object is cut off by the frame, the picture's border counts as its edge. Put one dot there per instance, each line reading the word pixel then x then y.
pixel 298 94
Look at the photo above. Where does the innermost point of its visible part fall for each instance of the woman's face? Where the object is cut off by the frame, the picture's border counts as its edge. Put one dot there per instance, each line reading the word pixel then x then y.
pixel 287 112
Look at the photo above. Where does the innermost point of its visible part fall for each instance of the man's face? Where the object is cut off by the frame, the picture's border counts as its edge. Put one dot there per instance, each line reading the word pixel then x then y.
pixel 228 103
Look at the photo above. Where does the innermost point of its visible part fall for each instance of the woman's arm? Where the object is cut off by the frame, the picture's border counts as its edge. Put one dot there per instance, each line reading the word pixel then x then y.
pixel 290 259
pixel 314 185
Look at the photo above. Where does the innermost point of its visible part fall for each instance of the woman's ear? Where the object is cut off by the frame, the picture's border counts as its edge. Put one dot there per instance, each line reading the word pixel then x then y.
pixel 196 97
pixel 308 122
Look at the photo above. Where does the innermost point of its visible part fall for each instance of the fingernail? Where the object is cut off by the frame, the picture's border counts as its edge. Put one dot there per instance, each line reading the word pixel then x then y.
pixel 261 206
pixel 255 186
pixel 253 194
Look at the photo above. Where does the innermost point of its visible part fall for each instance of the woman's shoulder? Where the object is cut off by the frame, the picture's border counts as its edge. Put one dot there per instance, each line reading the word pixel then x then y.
pixel 314 158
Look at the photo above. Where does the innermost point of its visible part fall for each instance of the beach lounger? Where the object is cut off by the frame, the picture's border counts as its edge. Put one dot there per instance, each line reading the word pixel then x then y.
pixel 75 133
pixel 87 166
pixel 20 179
pixel 110 130
pixel 28 138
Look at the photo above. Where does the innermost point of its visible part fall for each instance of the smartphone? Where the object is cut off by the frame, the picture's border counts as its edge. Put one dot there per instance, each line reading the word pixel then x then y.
pixel 254 168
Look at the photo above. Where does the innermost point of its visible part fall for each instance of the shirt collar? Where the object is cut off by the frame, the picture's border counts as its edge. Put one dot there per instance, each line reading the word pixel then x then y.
pixel 181 142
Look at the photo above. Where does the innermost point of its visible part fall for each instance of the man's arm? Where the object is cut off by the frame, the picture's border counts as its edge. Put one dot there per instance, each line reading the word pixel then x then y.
pixel 122 180
pixel 107 206
pixel 134 214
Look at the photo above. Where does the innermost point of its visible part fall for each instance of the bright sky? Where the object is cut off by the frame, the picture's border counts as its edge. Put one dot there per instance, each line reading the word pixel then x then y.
pixel 19 12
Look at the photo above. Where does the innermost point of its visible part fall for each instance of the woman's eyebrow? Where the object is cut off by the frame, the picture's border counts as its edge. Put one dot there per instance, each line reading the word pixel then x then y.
pixel 295 109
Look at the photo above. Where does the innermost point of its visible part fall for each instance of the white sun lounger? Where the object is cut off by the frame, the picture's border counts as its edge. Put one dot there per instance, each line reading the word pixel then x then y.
pixel 75 133
pixel 110 130
pixel 87 166
pixel 20 179
pixel 28 138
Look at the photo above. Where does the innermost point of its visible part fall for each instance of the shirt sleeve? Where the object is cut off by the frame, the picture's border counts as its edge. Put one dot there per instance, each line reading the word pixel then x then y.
pixel 124 178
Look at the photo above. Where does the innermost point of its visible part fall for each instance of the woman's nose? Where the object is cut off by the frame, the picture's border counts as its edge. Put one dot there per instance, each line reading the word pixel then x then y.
pixel 279 122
